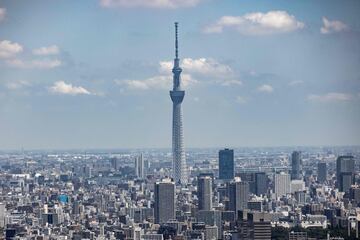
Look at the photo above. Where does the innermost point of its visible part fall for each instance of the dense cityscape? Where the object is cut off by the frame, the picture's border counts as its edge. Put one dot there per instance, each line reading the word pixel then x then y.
pixel 250 193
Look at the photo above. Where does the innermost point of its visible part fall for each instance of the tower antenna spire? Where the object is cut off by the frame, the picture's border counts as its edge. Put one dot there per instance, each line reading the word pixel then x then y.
pixel 176 41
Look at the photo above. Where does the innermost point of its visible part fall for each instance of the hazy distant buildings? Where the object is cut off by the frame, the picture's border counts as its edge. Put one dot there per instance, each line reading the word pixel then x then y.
pixel 204 192
pixel 164 209
pixel 115 163
pixel 281 184
pixel 321 172
pixel 238 193
pixel 226 164
pixel 177 96
pixel 296 165
pixel 345 169
pixel 139 167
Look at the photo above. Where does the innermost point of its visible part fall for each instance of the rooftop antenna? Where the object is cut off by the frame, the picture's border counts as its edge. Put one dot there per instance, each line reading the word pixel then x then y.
pixel 176 40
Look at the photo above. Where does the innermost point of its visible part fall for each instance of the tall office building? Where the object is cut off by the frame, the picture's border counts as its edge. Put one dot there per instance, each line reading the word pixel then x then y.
pixel 164 201
pixel 345 169
pixel 321 172
pixel 254 225
pixel 139 166
pixel 297 186
pixel 2 214
pixel 281 184
pixel 296 166
pixel 261 183
pixel 211 218
pixel 226 164
pixel 204 192
pixel 177 96
pixel 238 193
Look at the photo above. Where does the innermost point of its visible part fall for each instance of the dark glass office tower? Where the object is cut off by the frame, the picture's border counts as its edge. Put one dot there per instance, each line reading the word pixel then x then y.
pixel 296 166
pixel 322 172
pixel 261 183
pixel 226 164
pixel 345 169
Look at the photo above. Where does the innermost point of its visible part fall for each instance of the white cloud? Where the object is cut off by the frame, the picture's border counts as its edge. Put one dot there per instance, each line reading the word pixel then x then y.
pixel 9 49
pixel 13 85
pixel 203 66
pixel 39 64
pixel 61 87
pixel 50 50
pixel 332 26
pixel 296 82
pixel 330 97
pixel 156 82
pixel 265 88
pixel 257 23
pixel 241 100
pixel 2 14
pixel 229 82
pixel 215 71
pixel 149 3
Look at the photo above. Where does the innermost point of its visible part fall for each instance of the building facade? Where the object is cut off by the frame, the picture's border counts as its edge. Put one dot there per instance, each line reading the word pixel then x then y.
pixel 226 164
pixel 296 166
pixel 164 209
pixel 204 193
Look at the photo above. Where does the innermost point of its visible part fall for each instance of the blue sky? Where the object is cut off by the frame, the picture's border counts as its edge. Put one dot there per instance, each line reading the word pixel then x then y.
pixel 97 73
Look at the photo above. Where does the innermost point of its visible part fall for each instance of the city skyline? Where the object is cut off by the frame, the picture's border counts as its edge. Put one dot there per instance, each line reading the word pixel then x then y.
pixel 102 80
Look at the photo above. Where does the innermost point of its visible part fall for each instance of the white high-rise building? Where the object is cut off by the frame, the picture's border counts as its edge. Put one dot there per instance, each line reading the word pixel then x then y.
pixel 297 186
pixel 282 184
pixel 2 215
pixel 177 96
pixel 139 166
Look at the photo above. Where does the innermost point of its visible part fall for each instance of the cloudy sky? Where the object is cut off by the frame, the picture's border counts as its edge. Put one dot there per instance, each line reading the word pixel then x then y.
pixel 97 73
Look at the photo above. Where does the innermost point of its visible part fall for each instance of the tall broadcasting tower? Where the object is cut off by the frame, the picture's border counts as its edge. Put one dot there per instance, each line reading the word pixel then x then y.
pixel 177 96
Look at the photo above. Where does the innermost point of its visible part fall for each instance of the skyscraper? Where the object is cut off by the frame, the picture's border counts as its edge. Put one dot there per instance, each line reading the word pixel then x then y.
pixel 139 166
pixel 177 96
pixel 226 164
pixel 204 193
pixel 282 184
pixel 238 193
pixel 254 225
pixel 164 201
pixel 261 184
pixel 322 172
pixel 211 218
pixel 345 169
pixel 296 166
